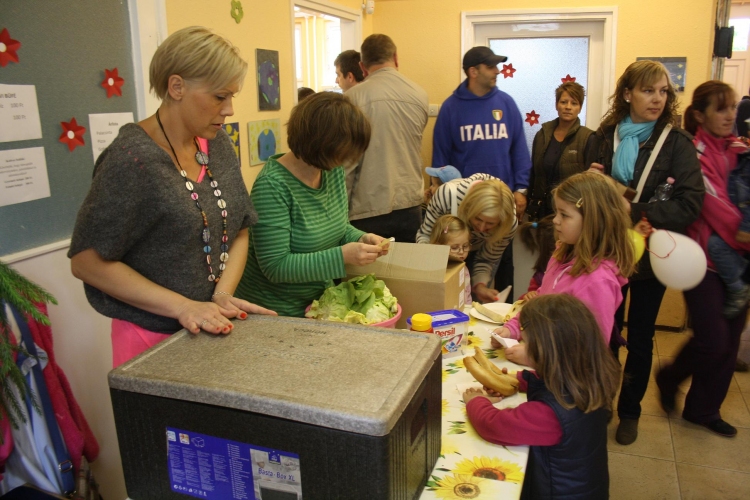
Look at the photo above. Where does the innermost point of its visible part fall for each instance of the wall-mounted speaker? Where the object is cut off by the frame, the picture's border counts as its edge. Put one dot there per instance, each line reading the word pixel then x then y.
pixel 723 41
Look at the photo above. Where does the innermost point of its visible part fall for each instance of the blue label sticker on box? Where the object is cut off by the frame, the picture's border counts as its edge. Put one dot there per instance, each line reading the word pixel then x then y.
pixel 214 468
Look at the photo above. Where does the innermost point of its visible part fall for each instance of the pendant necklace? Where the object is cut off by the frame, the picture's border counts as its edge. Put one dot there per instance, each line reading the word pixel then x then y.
pixel 202 159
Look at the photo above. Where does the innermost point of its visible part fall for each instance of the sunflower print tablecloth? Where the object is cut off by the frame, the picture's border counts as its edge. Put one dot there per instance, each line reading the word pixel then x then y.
pixel 470 467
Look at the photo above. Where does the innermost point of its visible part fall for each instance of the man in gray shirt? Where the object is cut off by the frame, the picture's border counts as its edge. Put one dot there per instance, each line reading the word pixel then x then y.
pixel 386 188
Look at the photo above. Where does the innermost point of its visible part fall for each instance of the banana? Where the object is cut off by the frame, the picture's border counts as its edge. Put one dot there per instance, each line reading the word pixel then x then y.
pixel 504 385
pixel 489 365
pixel 497 318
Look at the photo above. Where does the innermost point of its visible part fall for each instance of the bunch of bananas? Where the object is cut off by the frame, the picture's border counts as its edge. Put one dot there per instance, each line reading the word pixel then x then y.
pixel 490 375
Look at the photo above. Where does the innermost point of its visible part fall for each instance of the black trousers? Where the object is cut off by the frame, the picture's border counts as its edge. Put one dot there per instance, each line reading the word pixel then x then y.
pixel 401 224
pixel 645 300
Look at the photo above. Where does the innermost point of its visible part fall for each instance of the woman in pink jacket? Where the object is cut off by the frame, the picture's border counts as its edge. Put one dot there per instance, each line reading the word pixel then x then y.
pixel 710 355
pixel 594 256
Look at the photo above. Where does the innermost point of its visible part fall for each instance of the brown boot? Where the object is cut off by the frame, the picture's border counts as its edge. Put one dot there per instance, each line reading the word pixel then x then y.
pixel 741 366
pixel 627 431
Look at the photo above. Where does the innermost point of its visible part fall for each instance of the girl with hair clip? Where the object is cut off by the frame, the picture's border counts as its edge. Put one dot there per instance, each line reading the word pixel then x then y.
pixel 452 231
pixel 593 258
pixel 487 206
pixel 538 237
pixel 570 396
pixel 636 131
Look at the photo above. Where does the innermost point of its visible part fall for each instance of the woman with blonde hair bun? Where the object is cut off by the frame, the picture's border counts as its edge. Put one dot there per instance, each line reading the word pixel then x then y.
pixel 637 130
pixel 487 205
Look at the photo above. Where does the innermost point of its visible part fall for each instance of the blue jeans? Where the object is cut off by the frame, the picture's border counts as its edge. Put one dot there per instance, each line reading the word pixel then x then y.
pixel 729 264
pixel 738 188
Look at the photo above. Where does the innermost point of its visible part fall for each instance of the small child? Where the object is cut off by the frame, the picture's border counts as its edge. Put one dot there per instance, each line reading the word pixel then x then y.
pixel 594 255
pixel 438 177
pixel 569 402
pixel 452 231
pixel 729 263
pixel 538 237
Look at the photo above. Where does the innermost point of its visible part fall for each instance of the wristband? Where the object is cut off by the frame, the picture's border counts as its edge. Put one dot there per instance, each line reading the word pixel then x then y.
pixel 220 293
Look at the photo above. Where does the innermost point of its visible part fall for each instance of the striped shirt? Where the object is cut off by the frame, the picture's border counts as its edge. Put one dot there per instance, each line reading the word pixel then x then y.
pixel 488 254
pixel 295 248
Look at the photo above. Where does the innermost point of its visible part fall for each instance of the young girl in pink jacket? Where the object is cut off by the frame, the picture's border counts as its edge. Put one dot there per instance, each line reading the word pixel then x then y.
pixel 594 256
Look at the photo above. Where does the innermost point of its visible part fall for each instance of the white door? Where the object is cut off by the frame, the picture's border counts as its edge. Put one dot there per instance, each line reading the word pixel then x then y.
pixel 544 48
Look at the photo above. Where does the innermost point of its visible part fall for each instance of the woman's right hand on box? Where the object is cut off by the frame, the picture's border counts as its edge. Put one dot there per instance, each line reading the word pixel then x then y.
pixel 360 254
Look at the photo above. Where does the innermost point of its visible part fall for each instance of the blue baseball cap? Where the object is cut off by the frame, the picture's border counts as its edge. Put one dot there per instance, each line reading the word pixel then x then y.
pixel 445 174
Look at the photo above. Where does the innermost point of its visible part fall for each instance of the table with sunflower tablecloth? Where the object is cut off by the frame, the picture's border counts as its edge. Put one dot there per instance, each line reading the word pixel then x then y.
pixel 469 466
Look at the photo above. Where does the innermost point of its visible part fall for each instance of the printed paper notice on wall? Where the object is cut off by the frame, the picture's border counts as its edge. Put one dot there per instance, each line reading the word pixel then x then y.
pixel 104 128
pixel 19 113
pixel 23 176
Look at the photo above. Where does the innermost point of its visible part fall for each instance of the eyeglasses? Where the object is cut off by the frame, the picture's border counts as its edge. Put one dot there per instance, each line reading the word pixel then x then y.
pixel 460 248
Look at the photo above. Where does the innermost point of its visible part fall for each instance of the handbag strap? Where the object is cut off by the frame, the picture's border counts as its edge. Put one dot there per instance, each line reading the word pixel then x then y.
pixel 650 163
pixel 64 464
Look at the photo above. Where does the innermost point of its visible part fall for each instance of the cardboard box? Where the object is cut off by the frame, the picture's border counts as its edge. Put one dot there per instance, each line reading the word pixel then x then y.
pixel 419 276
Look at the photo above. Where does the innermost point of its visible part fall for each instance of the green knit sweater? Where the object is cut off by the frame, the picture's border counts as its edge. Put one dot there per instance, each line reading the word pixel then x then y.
pixel 295 248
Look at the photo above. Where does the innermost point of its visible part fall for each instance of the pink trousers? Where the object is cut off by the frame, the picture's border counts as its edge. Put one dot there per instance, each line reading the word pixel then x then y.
pixel 129 340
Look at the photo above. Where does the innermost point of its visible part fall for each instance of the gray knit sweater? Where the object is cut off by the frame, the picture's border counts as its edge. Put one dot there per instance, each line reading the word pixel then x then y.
pixel 139 212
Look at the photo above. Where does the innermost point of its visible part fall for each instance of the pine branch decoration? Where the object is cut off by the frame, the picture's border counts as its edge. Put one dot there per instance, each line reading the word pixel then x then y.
pixel 23 295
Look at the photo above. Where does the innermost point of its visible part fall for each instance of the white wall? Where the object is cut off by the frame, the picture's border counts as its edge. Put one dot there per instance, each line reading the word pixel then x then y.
pixel 84 352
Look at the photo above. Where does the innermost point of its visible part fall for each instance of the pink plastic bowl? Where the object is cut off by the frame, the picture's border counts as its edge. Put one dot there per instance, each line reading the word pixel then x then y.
pixel 391 323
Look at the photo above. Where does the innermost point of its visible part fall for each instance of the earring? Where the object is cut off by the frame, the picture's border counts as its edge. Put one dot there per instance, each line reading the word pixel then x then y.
pixel 627 101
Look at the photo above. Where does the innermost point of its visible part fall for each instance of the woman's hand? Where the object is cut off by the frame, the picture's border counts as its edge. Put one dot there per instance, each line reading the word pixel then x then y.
pixel 472 393
pixel 521 201
pixel 517 354
pixel 196 316
pixel 374 239
pixel 596 167
pixel 360 254
pixel 484 294
pixel 232 307
pixel 643 227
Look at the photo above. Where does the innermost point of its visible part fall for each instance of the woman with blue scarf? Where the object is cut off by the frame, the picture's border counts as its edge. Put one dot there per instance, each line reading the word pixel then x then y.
pixel 643 104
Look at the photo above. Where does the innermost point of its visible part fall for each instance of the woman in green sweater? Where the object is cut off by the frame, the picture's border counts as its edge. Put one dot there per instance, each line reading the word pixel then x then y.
pixel 303 238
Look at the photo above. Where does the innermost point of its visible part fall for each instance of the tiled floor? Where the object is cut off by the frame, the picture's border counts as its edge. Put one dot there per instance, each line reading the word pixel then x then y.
pixel 674 459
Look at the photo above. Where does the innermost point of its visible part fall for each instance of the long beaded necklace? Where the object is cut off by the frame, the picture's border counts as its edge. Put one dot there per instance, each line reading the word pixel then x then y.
pixel 202 159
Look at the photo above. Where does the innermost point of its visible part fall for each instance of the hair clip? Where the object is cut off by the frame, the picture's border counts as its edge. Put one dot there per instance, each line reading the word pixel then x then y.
pixel 445 231
pixel 535 225
pixel 579 203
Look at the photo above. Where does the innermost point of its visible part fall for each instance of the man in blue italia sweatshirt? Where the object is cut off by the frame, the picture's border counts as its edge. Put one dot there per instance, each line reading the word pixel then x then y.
pixel 480 130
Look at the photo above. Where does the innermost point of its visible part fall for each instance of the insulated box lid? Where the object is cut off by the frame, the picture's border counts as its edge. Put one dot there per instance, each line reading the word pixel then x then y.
pixel 348 377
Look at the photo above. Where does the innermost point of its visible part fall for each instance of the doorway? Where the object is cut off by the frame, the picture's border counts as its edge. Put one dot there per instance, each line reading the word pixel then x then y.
pixel 544 47
pixel 321 31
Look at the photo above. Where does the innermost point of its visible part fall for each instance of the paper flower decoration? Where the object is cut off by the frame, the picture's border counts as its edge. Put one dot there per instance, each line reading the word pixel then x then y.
pixel 72 134
pixel 112 83
pixel 532 118
pixel 8 48
pixel 508 70
pixel 237 12
pixel 568 78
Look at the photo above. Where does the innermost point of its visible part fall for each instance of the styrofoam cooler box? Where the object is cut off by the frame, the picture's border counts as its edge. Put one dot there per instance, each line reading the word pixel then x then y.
pixel 282 408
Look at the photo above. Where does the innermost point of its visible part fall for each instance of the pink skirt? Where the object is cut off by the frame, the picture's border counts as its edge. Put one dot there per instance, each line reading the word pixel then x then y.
pixel 129 340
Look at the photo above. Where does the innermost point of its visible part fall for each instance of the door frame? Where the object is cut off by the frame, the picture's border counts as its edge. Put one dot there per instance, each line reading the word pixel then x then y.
pixel 148 28
pixel 607 15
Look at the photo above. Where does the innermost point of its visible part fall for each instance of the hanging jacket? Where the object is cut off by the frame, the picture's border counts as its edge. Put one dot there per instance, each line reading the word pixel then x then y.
pixel 576 468
pixel 73 425
pixel 677 159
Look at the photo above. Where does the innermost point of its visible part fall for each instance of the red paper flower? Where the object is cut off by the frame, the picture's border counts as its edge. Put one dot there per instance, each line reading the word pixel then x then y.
pixel 8 48
pixel 532 118
pixel 72 134
pixel 112 82
pixel 508 70
pixel 568 78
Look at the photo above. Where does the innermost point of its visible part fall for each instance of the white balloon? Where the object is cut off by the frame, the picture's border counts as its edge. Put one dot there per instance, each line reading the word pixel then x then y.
pixel 678 262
